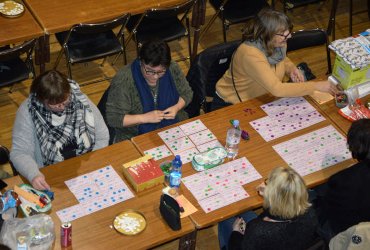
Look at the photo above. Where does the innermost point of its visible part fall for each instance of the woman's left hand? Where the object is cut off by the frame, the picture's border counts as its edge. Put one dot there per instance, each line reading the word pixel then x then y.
pixel 170 113
pixel 296 75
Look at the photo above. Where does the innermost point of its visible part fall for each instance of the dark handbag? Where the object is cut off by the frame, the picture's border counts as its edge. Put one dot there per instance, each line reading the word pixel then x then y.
pixel 306 71
pixel 170 211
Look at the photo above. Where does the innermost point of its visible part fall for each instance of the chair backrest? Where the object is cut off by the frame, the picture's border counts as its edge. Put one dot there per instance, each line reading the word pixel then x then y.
pixel 307 38
pixel 4 158
pixel 355 237
pixel 166 12
pixel 207 68
pixel 16 51
pixel 310 38
pixel 103 109
pixel 88 28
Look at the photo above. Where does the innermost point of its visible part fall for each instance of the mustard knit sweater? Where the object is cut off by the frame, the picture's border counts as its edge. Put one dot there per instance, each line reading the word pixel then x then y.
pixel 254 76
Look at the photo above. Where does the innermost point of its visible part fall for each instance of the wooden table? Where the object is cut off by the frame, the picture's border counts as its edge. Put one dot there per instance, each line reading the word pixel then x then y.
pixel 19 29
pixel 56 16
pixel 256 150
pixel 94 231
pixel 331 110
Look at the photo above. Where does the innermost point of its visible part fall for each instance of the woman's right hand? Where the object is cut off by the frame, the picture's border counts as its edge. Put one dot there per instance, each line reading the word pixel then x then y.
pixel 40 183
pixel 326 86
pixel 154 116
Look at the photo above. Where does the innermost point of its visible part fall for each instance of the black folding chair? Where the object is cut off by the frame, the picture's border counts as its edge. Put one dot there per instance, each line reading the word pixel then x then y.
pixel 207 68
pixel 13 68
pixel 161 23
pixel 86 42
pixel 233 12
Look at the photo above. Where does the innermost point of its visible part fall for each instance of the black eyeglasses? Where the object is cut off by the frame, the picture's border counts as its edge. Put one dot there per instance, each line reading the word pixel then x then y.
pixel 152 72
pixel 285 36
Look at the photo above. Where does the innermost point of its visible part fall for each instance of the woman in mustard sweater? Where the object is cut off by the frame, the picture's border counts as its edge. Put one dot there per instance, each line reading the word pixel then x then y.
pixel 260 64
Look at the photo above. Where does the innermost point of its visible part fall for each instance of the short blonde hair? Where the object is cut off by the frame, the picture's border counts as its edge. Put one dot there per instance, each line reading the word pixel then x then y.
pixel 285 194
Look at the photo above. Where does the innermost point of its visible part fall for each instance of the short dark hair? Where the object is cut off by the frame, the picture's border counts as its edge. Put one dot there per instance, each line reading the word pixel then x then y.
pixel 52 86
pixel 155 52
pixel 358 139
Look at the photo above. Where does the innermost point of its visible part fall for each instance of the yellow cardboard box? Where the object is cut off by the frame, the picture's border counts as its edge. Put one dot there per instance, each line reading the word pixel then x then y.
pixel 143 173
pixel 347 76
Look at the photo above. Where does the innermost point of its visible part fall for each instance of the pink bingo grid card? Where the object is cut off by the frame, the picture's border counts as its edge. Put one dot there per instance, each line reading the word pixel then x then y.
pixel 193 127
pixel 220 186
pixel 94 191
pixel 286 116
pixel 314 151
pixel 158 152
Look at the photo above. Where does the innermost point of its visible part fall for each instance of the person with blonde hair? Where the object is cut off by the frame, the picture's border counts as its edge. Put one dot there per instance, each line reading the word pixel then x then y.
pixel 260 64
pixel 287 222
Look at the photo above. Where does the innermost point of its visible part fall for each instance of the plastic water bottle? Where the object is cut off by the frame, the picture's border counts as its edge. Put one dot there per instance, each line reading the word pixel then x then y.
pixel 233 139
pixel 176 172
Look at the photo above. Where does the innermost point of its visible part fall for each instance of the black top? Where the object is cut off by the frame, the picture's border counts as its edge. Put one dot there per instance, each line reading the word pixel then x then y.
pixel 347 201
pixel 295 234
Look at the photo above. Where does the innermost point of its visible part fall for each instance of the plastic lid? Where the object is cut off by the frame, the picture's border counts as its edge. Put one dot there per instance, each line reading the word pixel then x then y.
pixel 236 123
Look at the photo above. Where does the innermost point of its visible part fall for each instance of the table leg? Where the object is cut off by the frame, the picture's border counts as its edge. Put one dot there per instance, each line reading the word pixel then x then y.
pixel 188 241
pixel 42 52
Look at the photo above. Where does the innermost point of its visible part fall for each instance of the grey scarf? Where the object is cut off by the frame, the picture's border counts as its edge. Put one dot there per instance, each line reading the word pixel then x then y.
pixel 277 56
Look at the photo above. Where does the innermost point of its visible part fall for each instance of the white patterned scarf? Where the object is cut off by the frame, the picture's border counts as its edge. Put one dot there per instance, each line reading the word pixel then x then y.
pixel 65 134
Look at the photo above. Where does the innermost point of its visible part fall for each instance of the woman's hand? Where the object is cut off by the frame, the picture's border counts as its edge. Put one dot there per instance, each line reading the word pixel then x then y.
pixel 40 183
pixel 154 116
pixel 296 75
pixel 261 188
pixel 170 113
pixel 326 86
pixel 239 225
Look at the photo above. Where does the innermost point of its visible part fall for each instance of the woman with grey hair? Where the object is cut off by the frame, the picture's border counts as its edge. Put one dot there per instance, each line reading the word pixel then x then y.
pixel 260 64
pixel 287 222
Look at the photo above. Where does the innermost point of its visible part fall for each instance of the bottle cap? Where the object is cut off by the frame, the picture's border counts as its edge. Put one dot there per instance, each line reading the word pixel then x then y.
pixel 236 123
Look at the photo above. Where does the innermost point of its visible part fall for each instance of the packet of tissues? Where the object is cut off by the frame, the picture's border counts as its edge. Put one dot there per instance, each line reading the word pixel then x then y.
pixel 209 159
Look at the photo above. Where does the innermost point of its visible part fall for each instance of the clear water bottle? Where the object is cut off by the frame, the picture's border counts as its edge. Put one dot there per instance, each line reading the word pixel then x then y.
pixel 176 172
pixel 233 139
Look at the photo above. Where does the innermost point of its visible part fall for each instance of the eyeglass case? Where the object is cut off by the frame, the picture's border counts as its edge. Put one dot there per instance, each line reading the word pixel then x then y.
pixel 209 159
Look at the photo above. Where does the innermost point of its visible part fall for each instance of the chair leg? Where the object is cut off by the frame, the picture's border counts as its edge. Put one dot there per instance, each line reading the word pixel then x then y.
pixel 331 24
pixel 224 28
pixel 350 17
pixel 209 24
pixel 189 38
pixel 11 89
pixel 69 70
pixel 58 58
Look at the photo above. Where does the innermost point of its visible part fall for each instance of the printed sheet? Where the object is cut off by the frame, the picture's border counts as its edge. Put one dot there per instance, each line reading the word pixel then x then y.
pixel 285 116
pixel 94 191
pixel 220 186
pixel 314 151
pixel 185 140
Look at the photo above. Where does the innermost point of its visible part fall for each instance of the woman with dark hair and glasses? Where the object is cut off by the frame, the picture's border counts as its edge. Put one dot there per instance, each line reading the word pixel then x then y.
pixel 343 201
pixel 148 94
pixel 260 63
pixel 56 122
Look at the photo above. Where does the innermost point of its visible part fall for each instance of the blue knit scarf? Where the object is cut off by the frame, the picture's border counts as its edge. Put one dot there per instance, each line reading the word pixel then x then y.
pixel 167 96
